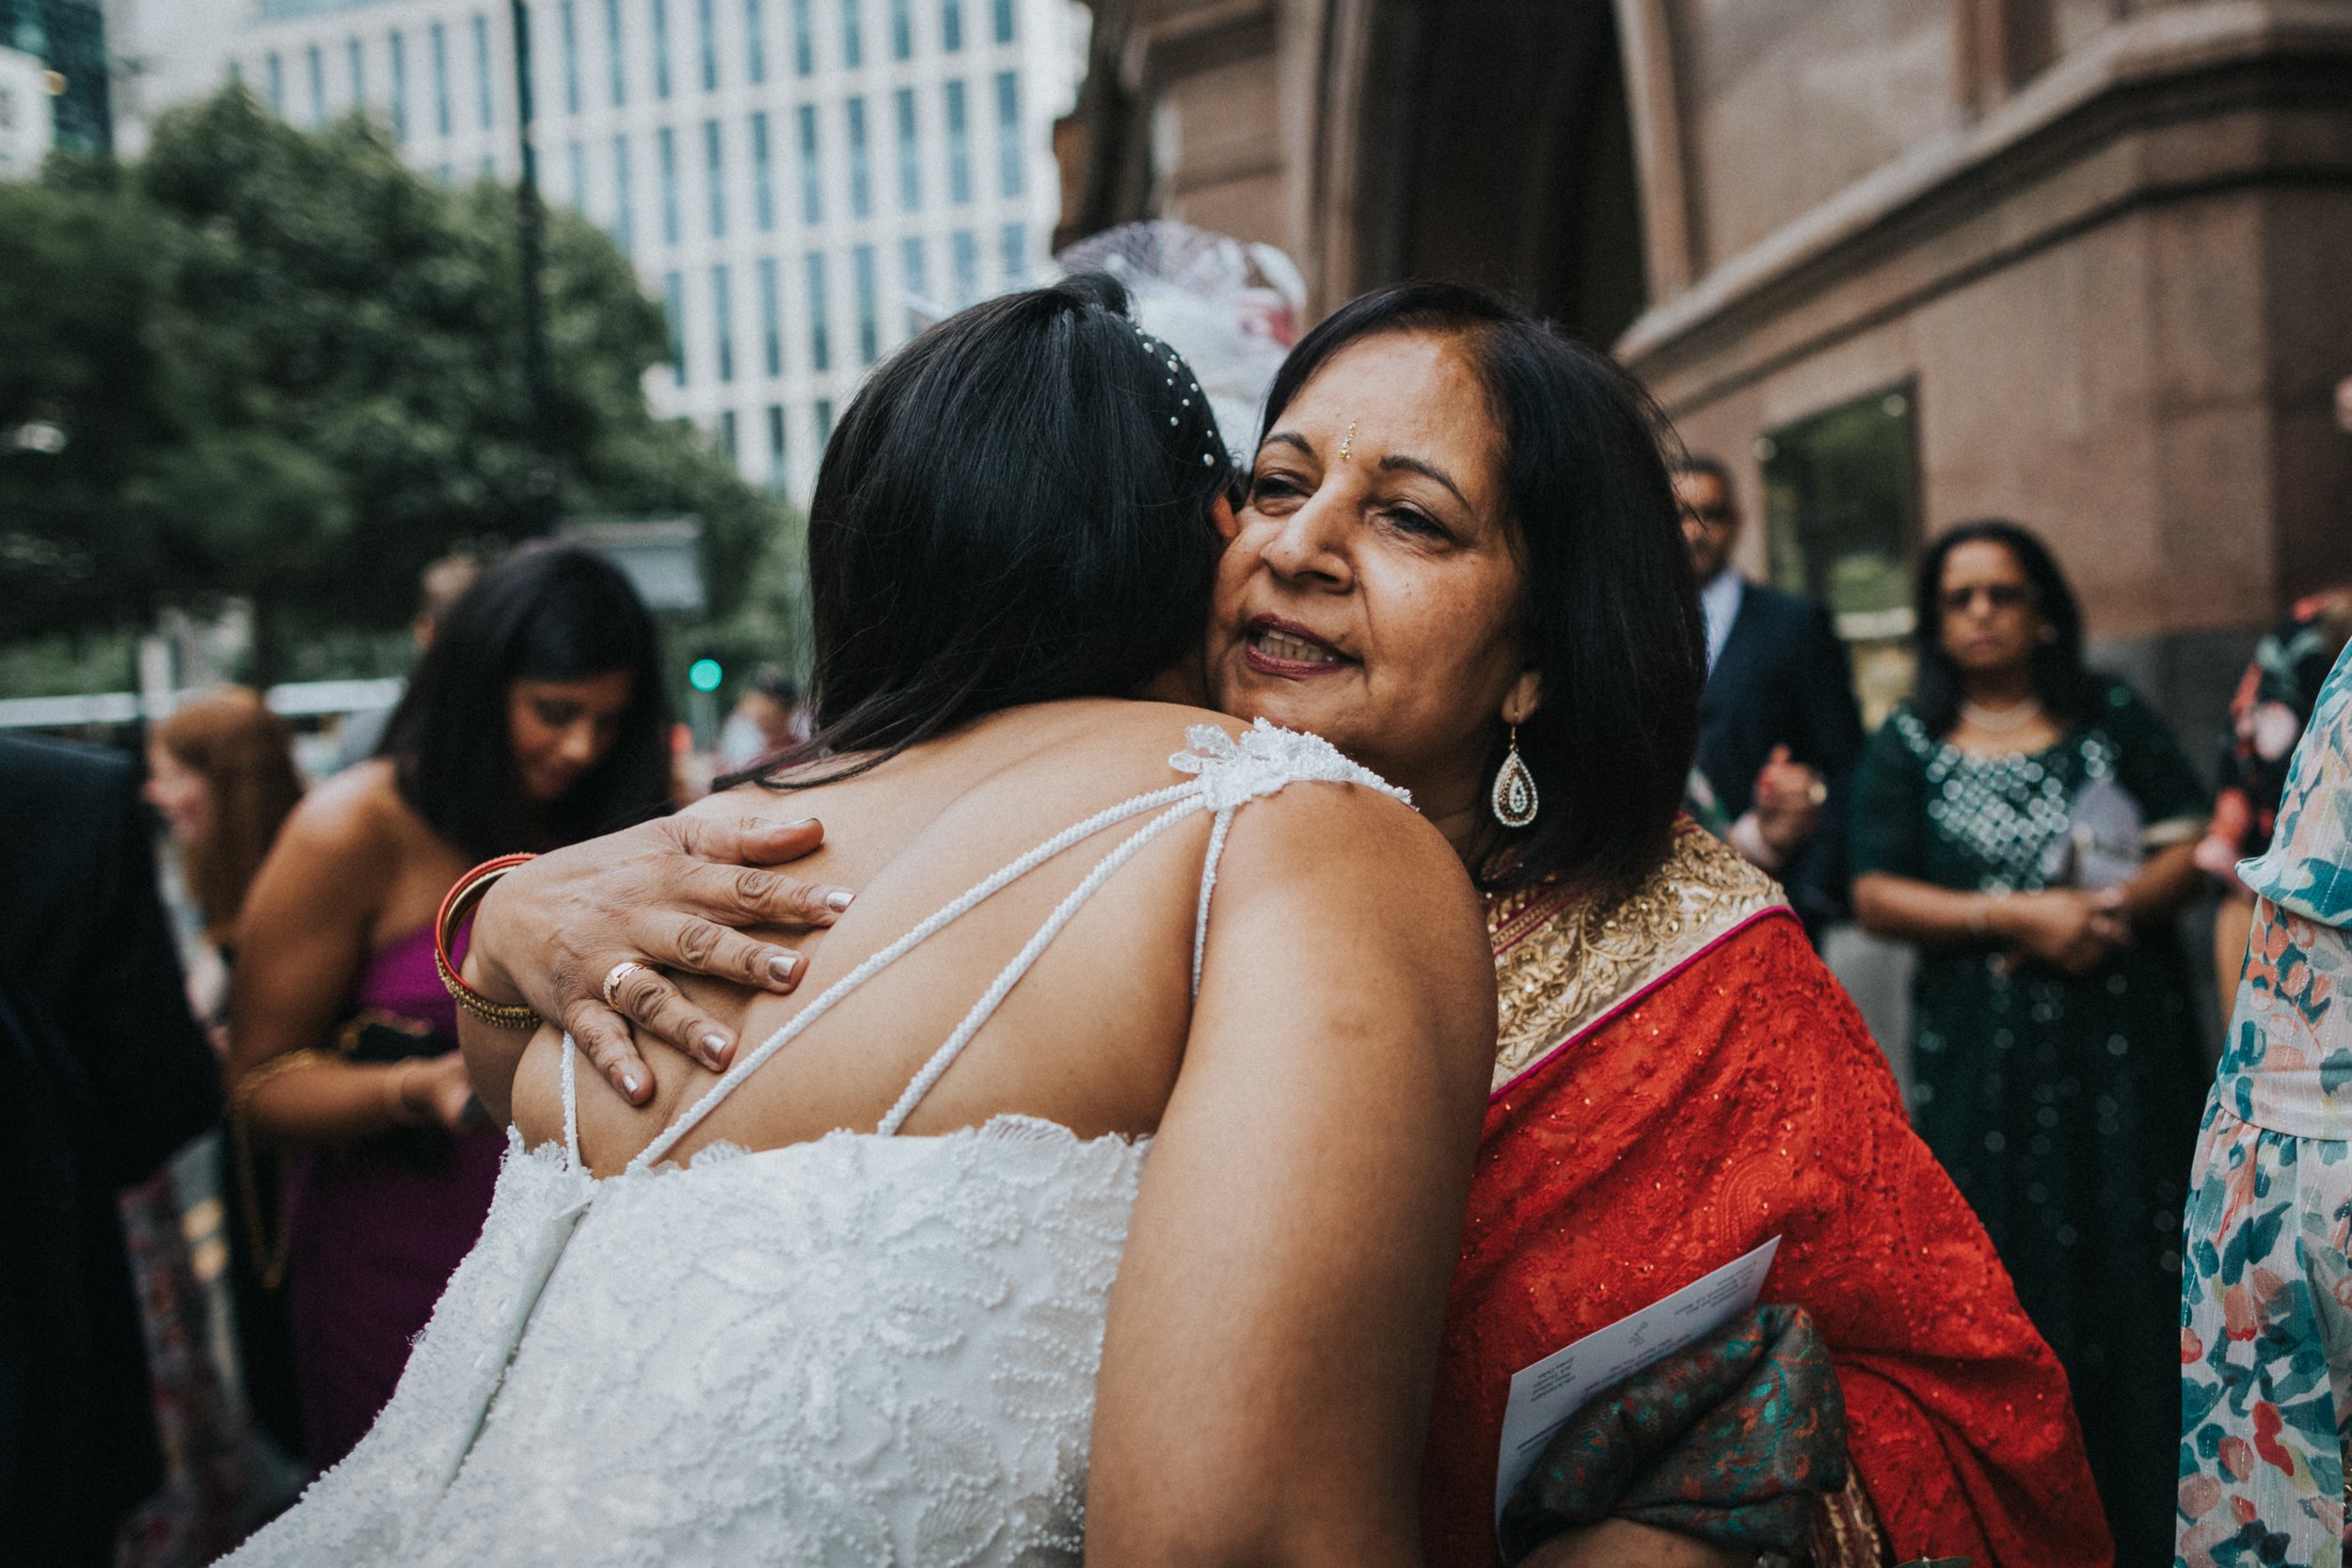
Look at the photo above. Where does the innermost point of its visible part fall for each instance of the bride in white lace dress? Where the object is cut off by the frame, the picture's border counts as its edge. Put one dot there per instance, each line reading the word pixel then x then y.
pixel 1097 1191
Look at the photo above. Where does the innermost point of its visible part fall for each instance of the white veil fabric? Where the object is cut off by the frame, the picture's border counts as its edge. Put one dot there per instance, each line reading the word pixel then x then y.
pixel 1232 310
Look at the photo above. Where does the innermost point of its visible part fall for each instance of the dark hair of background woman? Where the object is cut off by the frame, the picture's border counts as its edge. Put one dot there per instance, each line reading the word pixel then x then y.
pixel 1014 509
pixel 552 612
pixel 2064 687
pixel 1609 614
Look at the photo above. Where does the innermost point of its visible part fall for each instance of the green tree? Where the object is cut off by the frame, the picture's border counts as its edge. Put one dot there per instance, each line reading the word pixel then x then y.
pixel 318 354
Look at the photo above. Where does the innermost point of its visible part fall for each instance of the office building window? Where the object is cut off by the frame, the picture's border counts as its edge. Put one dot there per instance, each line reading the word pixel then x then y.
pixel 966 249
pixel 624 210
pixel 861 173
pixel 901 30
pixel 726 434
pixel 852 35
pixel 356 54
pixel 803 39
pixel 575 169
pixel 812 177
pixel 868 305
pixel 662 48
pixel 714 172
pixel 723 320
pixel 1003 21
pixel 482 70
pixel 615 54
pixel 1015 245
pixel 707 24
pixel 440 78
pixel 776 478
pixel 910 153
pixel 755 43
pixel 400 86
pixel 489 170
pixel 674 313
pixel 819 338
pixel 763 177
pixel 911 283
pixel 950 25
pixel 273 73
pixel 824 423
pixel 665 147
pixel 1009 148
pixel 314 63
pixel 567 31
pixel 771 318
pixel 958 146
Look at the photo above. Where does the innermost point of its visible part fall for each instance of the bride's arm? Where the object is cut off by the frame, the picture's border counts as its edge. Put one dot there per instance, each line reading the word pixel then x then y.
pixel 1273 1333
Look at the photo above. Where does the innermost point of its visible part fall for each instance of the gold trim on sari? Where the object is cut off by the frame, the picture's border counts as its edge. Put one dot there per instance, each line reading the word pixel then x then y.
pixel 1562 961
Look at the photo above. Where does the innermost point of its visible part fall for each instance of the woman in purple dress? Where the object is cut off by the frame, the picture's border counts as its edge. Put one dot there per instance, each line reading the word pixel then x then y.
pixel 534 718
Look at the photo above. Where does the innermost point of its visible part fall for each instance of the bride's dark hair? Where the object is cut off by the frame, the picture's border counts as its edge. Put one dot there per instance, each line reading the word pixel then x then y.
pixel 1016 508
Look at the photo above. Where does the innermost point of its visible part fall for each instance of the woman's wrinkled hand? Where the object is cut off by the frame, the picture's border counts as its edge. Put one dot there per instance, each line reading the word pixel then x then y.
pixel 669 895
pixel 2072 930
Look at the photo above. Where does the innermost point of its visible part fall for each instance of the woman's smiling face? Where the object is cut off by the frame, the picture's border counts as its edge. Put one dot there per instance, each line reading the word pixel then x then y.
pixel 1370 591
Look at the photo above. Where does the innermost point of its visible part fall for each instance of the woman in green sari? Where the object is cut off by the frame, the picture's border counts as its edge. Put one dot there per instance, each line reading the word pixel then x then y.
pixel 2029 826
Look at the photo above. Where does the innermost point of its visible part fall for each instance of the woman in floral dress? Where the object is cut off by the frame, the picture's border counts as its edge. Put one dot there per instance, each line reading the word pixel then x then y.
pixel 2266 1298
pixel 2054 1049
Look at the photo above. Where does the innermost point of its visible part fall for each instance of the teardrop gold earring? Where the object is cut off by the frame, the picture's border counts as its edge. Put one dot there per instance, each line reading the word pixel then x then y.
pixel 1513 800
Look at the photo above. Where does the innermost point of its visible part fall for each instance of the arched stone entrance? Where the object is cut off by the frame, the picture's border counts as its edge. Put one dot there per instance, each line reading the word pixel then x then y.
pixel 1492 144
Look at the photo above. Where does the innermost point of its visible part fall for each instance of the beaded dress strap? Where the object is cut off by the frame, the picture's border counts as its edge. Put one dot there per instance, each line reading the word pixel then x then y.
pixel 1229 775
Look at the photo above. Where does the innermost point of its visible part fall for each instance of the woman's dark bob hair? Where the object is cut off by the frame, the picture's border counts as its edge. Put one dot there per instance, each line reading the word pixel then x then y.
pixel 1016 508
pixel 2065 688
pixel 1610 613
pixel 551 612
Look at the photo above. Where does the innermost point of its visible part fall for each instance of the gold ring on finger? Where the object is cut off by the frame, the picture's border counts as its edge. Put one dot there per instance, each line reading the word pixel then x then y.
pixel 613 978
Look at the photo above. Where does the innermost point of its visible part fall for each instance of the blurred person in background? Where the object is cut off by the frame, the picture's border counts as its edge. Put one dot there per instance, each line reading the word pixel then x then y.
pixel 1778 727
pixel 220 771
pixel 2266 1296
pixel 108 1076
pixel 536 718
pixel 2029 826
pixel 440 586
pixel 767 719
pixel 2272 704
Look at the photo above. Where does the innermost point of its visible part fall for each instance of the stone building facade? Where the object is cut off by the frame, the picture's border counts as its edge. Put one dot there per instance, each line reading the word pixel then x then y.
pixel 2086 263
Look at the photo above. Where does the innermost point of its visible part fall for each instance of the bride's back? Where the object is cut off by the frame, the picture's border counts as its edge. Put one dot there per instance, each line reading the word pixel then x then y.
pixel 1090 1037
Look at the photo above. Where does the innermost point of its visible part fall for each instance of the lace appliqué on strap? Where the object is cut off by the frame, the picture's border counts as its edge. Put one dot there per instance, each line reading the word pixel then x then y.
pixel 1264 759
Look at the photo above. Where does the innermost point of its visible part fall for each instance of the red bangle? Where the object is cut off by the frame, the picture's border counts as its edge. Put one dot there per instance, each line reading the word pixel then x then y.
pixel 463 896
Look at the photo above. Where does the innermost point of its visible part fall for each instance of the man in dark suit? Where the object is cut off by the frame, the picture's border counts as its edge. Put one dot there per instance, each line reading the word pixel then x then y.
pixel 107 1074
pixel 1779 733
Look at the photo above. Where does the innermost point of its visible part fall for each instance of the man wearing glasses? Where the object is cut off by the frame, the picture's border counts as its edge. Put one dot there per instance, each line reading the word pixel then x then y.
pixel 1778 728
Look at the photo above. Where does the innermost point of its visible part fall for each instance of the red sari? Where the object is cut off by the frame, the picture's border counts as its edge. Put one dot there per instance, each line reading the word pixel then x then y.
pixel 1677 1080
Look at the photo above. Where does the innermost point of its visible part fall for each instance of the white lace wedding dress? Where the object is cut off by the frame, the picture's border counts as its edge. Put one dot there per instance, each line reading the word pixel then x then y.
pixel 862 1349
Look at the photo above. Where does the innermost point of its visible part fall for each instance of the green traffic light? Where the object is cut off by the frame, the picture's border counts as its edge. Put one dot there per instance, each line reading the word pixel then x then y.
pixel 703 674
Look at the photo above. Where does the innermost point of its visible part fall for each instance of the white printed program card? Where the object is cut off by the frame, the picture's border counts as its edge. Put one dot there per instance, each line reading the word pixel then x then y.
pixel 1545 1395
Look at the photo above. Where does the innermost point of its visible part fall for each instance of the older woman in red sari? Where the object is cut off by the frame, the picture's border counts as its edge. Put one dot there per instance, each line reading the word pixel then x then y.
pixel 1458 559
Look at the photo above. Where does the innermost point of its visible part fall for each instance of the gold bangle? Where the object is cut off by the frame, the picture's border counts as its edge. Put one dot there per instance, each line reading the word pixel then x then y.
pixel 249 1081
pixel 463 896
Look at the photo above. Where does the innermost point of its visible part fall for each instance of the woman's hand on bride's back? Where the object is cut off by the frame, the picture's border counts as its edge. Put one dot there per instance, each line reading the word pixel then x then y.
pixel 674 894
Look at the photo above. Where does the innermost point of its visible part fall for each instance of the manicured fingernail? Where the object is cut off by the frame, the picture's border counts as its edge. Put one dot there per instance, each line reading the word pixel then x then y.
pixel 715 1046
pixel 628 1082
pixel 839 898
pixel 804 822
pixel 779 970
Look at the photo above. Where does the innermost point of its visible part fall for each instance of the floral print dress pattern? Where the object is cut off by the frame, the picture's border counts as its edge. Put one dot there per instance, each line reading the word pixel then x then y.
pixel 2266 1288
